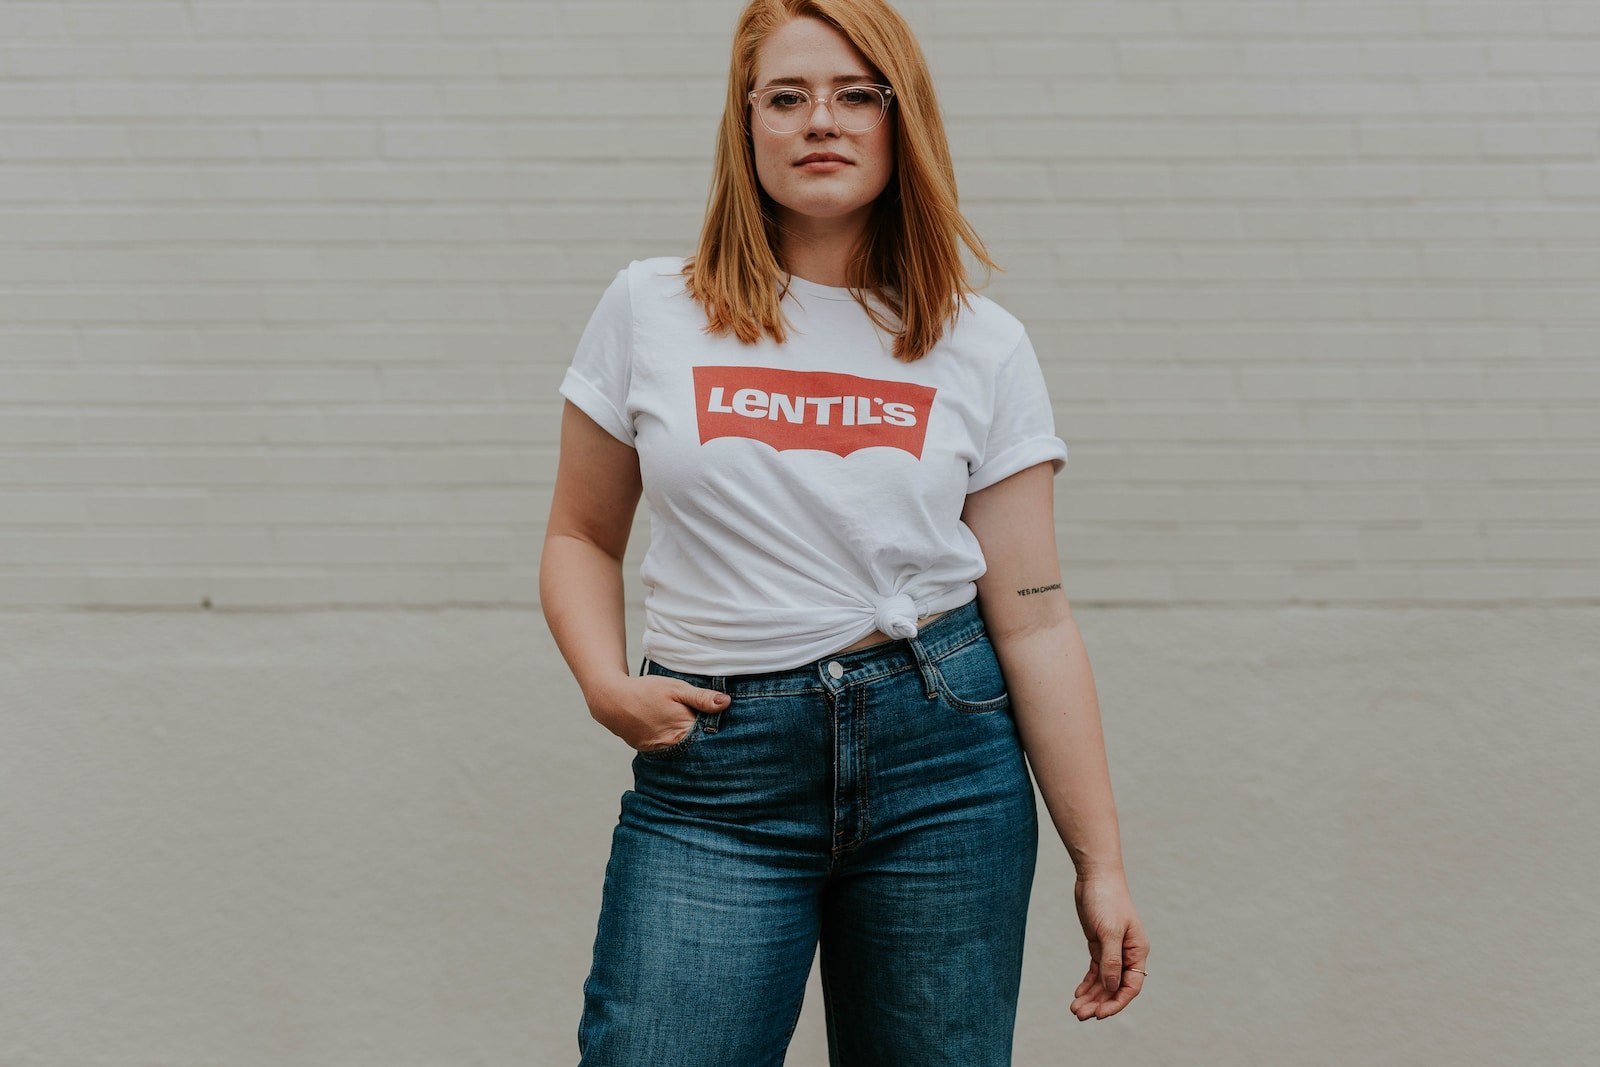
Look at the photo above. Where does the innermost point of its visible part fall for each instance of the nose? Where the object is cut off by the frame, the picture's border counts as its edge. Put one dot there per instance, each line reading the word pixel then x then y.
pixel 813 124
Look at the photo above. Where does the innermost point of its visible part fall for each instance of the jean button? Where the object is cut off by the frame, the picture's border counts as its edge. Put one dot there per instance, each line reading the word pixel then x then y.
pixel 836 669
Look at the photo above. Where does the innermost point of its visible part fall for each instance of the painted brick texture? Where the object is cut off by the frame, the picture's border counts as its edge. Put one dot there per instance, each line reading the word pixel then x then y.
pixel 286 289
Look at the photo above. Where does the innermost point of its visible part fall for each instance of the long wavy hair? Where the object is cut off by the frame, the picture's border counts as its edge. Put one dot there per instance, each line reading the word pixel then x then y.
pixel 908 257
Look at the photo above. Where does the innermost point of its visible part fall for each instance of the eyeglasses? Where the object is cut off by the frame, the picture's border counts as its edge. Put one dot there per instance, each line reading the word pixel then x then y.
pixel 856 108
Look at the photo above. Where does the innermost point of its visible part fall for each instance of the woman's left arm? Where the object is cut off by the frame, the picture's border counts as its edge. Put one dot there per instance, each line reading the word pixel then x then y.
pixel 1046 668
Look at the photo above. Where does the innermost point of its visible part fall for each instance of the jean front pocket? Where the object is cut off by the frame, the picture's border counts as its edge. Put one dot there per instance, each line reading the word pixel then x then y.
pixel 679 746
pixel 970 680
pixel 696 728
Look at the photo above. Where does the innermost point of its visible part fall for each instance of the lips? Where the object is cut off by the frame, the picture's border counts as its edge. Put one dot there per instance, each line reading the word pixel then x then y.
pixel 821 157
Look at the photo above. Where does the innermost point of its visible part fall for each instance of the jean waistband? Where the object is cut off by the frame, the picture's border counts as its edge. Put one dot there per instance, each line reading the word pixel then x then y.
pixel 951 630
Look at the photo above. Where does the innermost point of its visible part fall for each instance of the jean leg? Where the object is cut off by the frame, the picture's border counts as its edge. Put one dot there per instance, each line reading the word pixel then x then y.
pixel 711 907
pixel 922 961
pixel 924 924
pixel 702 950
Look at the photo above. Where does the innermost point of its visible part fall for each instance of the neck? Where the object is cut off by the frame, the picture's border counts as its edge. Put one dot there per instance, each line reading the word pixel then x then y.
pixel 820 250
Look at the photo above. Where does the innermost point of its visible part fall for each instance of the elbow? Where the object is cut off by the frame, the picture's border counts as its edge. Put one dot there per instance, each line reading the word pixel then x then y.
pixel 561 541
pixel 566 558
pixel 1020 622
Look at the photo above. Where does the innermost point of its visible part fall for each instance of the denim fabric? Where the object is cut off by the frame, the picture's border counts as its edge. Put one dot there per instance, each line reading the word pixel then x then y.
pixel 876 803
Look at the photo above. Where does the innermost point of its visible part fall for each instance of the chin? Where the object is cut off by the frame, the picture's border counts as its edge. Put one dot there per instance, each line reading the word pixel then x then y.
pixel 818 211
pixel 829 208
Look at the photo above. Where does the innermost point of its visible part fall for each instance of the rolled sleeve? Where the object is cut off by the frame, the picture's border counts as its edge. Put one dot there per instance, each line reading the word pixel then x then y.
pixel 1022 429
pixel 598 379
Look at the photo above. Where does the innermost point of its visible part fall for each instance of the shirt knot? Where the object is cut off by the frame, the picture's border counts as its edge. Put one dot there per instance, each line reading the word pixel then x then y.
pixel 897 616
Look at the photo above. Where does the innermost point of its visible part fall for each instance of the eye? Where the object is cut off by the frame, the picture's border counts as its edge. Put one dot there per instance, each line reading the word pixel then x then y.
pixel 786 99
pixel 855 97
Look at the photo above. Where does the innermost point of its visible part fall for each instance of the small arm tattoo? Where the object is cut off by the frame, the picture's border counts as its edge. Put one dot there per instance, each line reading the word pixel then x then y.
pixel 1038 589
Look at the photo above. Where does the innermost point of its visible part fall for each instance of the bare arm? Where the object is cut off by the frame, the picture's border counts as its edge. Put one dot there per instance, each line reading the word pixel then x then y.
pixel 1045 663
pixel 1046 668
pixel 580 588
pixel 580 571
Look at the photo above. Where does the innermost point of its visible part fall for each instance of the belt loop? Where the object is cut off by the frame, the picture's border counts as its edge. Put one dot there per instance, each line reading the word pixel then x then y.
pixel 719 682
pixel 930 676
pixel 644 666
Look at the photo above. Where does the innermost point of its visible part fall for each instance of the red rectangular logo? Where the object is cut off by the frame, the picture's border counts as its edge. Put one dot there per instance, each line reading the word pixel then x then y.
pixel 831 412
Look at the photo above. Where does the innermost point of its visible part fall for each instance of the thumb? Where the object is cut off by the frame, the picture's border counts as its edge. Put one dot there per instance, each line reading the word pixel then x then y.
pixel 710 700
pixel 1111 968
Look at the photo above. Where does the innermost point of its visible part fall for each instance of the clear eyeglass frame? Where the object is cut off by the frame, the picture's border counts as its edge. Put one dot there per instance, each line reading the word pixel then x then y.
pixel 755 97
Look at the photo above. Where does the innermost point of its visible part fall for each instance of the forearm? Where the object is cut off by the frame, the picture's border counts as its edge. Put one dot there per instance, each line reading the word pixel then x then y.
pixel 1058 720
pixel 580 590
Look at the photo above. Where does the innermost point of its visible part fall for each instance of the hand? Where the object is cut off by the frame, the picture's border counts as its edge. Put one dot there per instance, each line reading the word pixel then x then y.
pixel 1116 942
pixel 652 711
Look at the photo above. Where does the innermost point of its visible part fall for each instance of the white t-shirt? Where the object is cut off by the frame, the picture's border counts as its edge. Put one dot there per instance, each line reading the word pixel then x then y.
pixel 803 495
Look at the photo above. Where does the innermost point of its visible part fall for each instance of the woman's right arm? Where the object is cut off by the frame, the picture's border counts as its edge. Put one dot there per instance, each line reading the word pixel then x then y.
pixel 580 588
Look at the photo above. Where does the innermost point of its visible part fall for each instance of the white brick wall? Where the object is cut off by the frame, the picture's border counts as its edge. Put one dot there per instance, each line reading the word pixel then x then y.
pixel 286 289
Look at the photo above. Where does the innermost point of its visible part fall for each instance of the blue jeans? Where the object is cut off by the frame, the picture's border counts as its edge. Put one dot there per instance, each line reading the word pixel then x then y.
pixel 876 802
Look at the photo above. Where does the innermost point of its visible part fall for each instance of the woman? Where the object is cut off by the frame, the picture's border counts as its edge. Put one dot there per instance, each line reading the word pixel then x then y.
pixel 855 628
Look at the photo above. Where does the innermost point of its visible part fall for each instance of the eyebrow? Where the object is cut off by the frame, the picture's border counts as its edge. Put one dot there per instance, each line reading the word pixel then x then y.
pixel 842 79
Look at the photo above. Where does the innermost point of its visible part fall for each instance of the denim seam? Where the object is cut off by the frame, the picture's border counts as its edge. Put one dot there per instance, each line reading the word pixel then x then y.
pixel 733 690
pixel 794 1022
pixel 930 679
pixel 966 706
pixel 936 651
pixel 889 673
pixel 957 647
pixel 831 1009
pixel 863 775
pixel 999 703
pixel 673 750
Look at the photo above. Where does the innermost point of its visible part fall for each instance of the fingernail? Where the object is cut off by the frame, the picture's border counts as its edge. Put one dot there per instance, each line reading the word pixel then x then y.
pixel 719 700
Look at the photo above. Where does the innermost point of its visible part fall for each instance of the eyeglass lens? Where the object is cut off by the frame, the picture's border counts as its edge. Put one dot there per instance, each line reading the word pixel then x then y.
pixel 856 108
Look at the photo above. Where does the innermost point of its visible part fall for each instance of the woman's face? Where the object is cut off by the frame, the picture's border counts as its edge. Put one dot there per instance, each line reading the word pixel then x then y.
pixel 813 51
